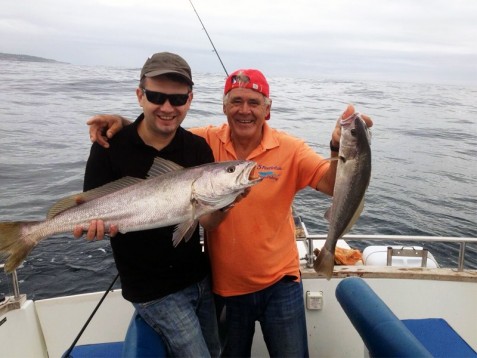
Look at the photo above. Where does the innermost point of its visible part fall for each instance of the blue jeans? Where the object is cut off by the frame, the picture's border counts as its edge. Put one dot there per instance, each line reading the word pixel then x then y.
pixel 281 312
pixel 186 320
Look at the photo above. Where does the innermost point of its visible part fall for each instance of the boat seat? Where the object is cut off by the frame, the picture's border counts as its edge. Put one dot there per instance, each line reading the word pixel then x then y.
pixel 385 335
pixel 98 350
pixel 141 341
pixel 439 337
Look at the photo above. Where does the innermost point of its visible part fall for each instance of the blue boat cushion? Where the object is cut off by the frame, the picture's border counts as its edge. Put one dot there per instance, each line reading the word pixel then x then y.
pixel 142 340
pixel 439 338
pixel 386 336
pixel 98 350
pixel 383 334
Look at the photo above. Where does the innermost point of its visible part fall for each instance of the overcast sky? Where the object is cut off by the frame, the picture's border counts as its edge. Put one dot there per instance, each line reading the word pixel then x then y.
pixel 404 40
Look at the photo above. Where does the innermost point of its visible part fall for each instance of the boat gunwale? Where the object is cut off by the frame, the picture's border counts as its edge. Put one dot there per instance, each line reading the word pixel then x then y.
pixel 378 237
pixel 303 235
pixel 395 272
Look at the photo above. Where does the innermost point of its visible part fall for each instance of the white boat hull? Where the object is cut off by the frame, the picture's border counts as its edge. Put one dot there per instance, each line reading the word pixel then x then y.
pixel 48 327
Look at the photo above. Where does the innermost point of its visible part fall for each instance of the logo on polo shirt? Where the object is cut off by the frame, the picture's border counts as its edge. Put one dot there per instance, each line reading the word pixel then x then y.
pixel 269 172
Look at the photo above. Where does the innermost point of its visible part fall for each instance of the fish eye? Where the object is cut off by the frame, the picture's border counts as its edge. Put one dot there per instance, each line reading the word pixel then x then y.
pixel 230 169
pixel 353 132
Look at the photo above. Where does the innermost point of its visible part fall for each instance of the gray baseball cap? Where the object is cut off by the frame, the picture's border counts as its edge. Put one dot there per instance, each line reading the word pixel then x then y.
pixel 162 63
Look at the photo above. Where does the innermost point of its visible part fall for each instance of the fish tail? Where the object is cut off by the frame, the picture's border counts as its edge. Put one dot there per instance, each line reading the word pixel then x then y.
pixel 14 245
pixel 324 263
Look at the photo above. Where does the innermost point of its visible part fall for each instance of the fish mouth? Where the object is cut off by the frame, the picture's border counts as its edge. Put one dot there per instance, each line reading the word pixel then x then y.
pixel 250 174
pixel 350 119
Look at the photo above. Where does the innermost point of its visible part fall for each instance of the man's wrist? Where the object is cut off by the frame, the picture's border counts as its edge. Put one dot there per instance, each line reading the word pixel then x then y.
pixel 334 148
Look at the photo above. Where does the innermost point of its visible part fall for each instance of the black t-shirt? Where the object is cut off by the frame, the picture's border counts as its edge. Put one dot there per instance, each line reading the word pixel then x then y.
pixel 148 265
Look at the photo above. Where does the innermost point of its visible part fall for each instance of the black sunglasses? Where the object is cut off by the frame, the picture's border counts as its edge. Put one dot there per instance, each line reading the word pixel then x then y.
pixel 160 98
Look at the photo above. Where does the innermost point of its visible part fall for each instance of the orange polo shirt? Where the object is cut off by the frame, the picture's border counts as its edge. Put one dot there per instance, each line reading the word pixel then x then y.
pixel 254 246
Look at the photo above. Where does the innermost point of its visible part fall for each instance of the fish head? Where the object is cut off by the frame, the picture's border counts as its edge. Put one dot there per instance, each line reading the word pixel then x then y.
pixel 355 136
pixel 221 182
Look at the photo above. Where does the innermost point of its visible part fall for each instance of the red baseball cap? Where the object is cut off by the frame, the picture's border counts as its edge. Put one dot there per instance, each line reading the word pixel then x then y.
pixel 248 78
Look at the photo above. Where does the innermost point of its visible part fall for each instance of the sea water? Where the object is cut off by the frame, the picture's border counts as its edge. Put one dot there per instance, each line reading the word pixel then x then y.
pixel 424 145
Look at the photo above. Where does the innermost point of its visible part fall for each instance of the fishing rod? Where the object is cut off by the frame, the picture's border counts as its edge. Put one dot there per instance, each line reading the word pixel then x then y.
pixel 67 354
pixel 210 40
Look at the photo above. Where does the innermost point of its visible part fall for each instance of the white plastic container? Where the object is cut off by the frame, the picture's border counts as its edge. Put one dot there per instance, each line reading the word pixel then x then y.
pixel 377 256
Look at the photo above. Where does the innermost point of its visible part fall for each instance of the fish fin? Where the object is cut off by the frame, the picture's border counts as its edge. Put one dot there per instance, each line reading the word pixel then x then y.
pixel 332 159
pixel 81 198
pixel 328 214
pixel 162 166
pixel 190 232
pixel 13 245
pixel 184 231
pixel 324 263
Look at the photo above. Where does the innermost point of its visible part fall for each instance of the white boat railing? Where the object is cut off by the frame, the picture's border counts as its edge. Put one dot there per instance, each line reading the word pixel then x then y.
pixel 462 241
pixel 308 240
pixel 15 301
pixel 16 286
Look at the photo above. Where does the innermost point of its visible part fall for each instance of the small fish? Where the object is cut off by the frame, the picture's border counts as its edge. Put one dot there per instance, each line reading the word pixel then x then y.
pixel 170 195
pixel 352 179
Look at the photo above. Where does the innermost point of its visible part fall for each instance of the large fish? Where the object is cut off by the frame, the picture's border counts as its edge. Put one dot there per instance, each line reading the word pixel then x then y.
pixel 170 195
pixel 352 179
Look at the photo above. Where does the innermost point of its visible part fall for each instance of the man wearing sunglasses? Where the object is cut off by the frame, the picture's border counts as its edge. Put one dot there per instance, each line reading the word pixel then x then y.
pixel 169 287
pixel 253 253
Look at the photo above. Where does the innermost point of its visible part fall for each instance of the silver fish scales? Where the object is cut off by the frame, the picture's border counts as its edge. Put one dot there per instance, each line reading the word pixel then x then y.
pixel 170 195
